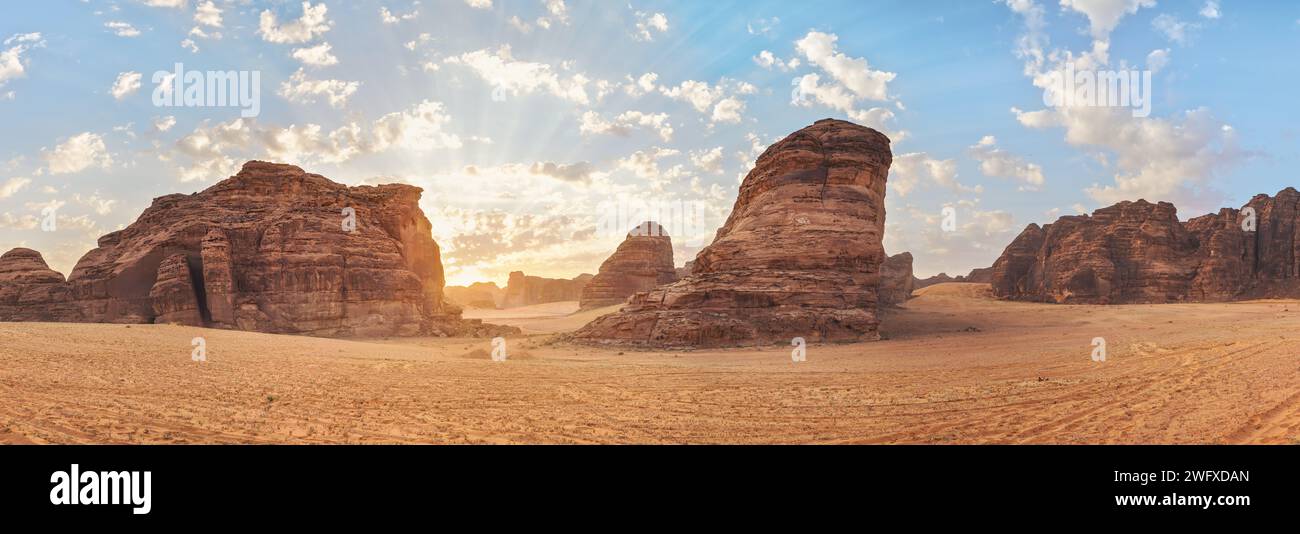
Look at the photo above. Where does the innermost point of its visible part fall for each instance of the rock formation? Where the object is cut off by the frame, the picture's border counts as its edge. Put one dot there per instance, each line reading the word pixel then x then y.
pixel 976 276
pixel 685 270
pixel 271 249
pixel 522 290
pixel 1139 252
pixel 643 261
pixel 483 295
pixel 799 255
pixel 896 280
pixel 30 290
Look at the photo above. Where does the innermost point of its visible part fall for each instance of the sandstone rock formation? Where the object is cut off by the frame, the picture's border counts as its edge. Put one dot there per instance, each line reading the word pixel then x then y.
pixel 643 261
pixel 977 276
pixel 483 295
pixel 30 290
pixel 269 249
pixel 523 290
pixel 798 257
pixel 1139 252
pixel 685 270
pixel 896 280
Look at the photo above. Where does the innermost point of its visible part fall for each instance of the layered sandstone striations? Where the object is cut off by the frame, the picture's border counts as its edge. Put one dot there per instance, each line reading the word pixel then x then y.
pixel 524 290
pixel 1139 252
pixel 799 255
pixel 643 261
pixel 271 249
pixel 896 280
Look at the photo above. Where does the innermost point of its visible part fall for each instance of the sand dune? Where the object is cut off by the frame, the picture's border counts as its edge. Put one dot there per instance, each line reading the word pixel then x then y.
pixel 956 367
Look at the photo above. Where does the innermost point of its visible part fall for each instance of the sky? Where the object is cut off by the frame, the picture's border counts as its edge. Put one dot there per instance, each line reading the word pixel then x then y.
pixel 528 122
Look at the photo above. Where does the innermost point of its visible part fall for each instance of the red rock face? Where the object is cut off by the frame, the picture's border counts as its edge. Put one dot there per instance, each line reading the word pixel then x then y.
pixel 267 250
pixel 643 261
pixel 1138 252
pixel 799 256
pixel 523 290
pixel 896 280
pixel 29 289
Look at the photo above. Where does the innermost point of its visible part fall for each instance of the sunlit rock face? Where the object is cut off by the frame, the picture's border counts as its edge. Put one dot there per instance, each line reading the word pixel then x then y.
pixel 271 249
pixel 643 261
pixel 1139 252
pixel 799 256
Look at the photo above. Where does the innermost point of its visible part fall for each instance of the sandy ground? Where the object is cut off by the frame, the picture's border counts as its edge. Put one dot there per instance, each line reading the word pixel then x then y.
pixel 956 367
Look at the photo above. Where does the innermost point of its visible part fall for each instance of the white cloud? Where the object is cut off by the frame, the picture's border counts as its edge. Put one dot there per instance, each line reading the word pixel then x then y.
pixel 1211 10
pixel 163 124
pixel 12 65
pixel 302 90
pixel 1104 15
pixel 719 101
pixel 1157 60
pixel 648 23
pixel 164 3
pixel 316 56
pixel 78 153
pixel 501 70
pixel 997 162
pixel 1173 29
pixel 389 18
pixel 624 123
pixel 851 80
pixel 208 14
pixel 420 128
pixel 127 83
pixel 708 160
pixel 13 185
pixel 768 60
pixel 479 4
pixel 914 168
pixel 310 25
pixel 1156 158
pixel 122 29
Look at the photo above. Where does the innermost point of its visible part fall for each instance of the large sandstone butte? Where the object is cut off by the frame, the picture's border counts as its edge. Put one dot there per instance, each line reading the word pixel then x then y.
pixel 798 257
pixel 643 261
pixel 896 280
pixel 266 250
pixel 1139 252
pixel 524 290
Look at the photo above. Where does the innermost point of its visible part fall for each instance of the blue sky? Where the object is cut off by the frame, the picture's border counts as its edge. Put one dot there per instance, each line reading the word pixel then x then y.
pixel 520 118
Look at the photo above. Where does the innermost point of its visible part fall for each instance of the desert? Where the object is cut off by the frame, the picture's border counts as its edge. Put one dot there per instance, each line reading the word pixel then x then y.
pixel 955 366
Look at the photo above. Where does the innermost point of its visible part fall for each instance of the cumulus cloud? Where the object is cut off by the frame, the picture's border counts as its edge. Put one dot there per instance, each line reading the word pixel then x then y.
pixel 851 80
pixel 479 4
pixel 127 83
pixel 315 56
pixel 720 102
pixel 389 18
pixel 1170 158
pixel 303 90
pixel 78 153
pixel 122 29
pixel 208 14
pixel 916 168
pixel 624 123
pixel 649 23
pixel 501 70
pixel 13 185
pixel 216 150
pixel 310 25
pixel 12 63
pixel 999 163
